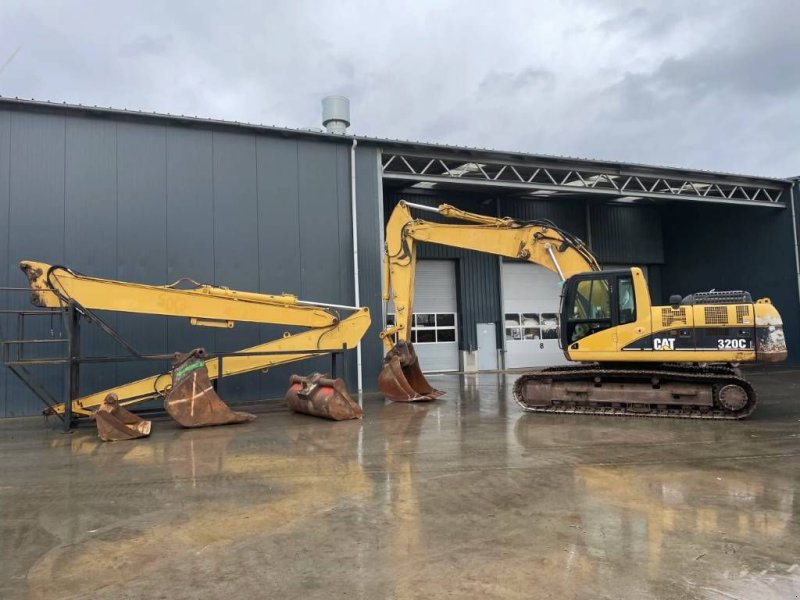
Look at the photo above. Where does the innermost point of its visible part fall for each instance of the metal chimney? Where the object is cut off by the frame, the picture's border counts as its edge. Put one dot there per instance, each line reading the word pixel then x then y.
pixel 336 114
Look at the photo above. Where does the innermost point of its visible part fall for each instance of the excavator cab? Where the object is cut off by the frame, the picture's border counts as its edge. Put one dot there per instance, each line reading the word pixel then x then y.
pixel 595 301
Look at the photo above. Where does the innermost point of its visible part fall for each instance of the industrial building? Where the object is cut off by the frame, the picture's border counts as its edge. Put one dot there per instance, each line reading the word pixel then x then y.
pixel 151 198
pixel 458 495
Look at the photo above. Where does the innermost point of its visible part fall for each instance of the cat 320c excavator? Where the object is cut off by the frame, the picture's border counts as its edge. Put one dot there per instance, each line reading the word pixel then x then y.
pixel 636 359
pixel 187 390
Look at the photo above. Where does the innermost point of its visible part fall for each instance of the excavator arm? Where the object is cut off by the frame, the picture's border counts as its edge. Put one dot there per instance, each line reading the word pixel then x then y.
pixel 53 286
pixel 539 242
pixel 56 287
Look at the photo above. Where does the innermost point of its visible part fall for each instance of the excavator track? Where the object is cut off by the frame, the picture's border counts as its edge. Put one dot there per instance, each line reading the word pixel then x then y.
pixel 581 385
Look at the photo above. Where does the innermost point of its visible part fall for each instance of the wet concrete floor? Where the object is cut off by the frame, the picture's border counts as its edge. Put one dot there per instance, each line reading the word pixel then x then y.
pixel 465 497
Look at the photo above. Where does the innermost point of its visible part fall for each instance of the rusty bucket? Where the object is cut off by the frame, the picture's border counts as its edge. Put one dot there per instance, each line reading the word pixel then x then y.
pixel 320 396
pixel 192 400
pixel 115 423
pixel 401 379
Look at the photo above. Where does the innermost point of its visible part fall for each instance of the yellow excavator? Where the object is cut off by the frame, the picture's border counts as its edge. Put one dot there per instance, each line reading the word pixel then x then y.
pixel 189 395
pixel 636 359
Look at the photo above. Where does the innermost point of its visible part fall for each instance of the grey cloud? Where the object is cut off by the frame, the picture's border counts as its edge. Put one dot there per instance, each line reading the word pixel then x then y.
pixel 705 85
pixel 146 45
pixel 509 82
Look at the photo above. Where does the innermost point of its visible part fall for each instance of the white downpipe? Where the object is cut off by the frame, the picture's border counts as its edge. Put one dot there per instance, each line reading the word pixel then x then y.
pixel 794 232
pixel 354 217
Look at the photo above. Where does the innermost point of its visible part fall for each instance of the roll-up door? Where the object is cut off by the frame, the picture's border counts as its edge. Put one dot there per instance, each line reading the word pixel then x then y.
pixel 435 327
pixel 531 301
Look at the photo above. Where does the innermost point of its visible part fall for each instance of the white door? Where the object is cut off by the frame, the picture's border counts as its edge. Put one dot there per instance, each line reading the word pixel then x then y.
pixel 487 347
pixel 435 328
pixel 531 302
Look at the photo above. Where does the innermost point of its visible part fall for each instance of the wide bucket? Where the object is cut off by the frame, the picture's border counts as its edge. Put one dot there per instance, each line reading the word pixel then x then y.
pixel 401 379
pixel 115 423
pixel 192 400
pixel 321 396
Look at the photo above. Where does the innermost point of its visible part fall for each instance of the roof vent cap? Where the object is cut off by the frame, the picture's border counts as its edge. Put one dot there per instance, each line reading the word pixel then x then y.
pixel 336 114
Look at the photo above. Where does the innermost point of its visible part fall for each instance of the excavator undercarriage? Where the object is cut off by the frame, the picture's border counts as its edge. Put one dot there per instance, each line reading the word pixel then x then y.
pixel 643 390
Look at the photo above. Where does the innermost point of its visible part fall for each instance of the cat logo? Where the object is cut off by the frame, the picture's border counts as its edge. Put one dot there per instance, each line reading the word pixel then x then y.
pixel 663 343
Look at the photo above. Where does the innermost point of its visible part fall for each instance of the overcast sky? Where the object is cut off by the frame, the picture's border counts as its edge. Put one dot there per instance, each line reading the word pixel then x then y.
pixel 701 84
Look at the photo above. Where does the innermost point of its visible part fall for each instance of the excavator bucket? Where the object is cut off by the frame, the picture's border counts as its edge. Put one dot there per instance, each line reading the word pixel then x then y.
pixel 192 400
pixel 401 379
pixel 115 423
pixel 320 396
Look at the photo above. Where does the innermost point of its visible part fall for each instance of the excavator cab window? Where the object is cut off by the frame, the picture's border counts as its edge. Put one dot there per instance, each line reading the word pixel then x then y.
pixel 626 299
pixel 589 308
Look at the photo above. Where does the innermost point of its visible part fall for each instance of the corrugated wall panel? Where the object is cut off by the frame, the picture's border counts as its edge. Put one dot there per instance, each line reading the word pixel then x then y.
pixel 345 231
pixel 278 236
pixel 190 225
pixel 36 224
pixel 91 226
pixel 568 214
pixel 141 233
pixel 322 271
pixel 711 251
pixel 627 234
pixel 370 257
pixel 5 153
pixel 236 243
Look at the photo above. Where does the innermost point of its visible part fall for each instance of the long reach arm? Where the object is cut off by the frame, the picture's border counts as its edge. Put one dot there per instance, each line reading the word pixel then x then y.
pixel 539 242
pixel 204 305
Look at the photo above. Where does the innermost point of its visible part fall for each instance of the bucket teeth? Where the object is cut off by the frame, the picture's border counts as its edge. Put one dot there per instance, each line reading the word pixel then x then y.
pixel 401 379
pixel 115 423
pixel 192 400
pixel 320 396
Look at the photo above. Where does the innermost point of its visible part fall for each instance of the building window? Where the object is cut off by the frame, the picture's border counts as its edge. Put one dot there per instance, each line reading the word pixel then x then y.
pixel 430 328
pixel 531 326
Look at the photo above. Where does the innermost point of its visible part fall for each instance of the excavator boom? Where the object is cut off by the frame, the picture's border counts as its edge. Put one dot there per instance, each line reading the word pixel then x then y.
pixel 53 286
pixel 539 242
pixel 189 395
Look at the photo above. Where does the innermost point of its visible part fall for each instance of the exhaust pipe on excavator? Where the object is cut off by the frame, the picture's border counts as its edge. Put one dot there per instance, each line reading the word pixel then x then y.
pixel 401 379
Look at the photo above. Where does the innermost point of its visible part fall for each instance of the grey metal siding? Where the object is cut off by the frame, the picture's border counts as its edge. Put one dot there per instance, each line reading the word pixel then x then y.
pixel 236 241
pixel 370 257
pixel 141 233
pixel 5 184
pixel 626 234
pixel 36 221
pixel 154 202
pixel 90 228
pixel 568 214
pixel 731 247
pixel 190 216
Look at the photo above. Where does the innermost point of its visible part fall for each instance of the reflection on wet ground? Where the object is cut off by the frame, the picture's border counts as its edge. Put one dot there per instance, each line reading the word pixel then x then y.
pixel 462 497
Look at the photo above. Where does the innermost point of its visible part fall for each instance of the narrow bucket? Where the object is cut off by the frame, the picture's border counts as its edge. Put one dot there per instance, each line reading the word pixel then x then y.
pixel 320 396
pixel 192 400
pixel 115 423
pixel 401 379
